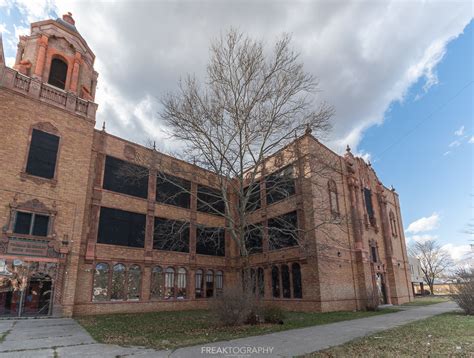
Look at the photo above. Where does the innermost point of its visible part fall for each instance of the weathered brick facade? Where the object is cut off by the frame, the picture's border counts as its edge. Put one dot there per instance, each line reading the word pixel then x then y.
pixel 341 262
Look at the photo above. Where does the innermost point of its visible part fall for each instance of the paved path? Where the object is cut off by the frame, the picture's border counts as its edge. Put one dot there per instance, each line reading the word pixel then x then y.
pixel 65 338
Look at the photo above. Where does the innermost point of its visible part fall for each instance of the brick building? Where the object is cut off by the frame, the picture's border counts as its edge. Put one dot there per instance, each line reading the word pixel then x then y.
pixel 79 239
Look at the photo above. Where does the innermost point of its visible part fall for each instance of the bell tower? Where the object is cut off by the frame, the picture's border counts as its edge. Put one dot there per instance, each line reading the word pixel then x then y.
pixel 55 53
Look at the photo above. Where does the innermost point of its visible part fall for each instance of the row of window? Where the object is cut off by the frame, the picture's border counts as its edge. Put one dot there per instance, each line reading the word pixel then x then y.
pixel 122 283
pixel 283 286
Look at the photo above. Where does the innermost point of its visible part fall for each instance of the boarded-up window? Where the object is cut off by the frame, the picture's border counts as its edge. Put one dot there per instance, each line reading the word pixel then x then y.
pixel 254 238
pixel 58 73
pixel 210 200
pixel 124 228
pixel 126 178
pixel 172 190
pixel 171 235
pixel 210 241
pixel 43 154
pixel 283 231
pixel 280 185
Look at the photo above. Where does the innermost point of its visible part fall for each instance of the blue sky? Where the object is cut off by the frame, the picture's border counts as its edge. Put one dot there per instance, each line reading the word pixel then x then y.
pixel 398 73
pixel 416 149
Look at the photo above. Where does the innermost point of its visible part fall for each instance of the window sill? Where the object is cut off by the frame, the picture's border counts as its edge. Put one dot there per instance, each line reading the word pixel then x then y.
pixel 30 237
pixel 38 180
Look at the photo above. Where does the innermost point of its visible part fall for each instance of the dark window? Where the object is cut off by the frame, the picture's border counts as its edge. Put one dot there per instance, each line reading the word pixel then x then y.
pixel 58 73
pixel 254 238
pixel 126 178
pixel 31 224
pixel 333 198
pixel 368 202
pixel 198 284
pixel 171 235
pixel 210 200
pixel 219 283
pixel 43 154
pixel 285 281
pixel 173 190
pixel 210 241
pixel 261 282
pixel 283 231
pixel 280 185
pixel 275 282
pixel 253 199
pixel 373 253
pixel 124 228
pixel 209 283
pixel 296 275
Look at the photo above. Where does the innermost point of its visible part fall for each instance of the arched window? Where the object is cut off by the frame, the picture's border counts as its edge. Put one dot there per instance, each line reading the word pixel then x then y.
pixel 219 283
pixel 393 223
pixel 275 282
pixel 253 280
pixel 333 198
pixel 285 281
pixel 134 282
pixel 156 283
pixel 101 282
pixel 209 283
pixel 58 73
pixel 296 275
pixel 261 282
pixel 181 294
pixel 198 284
pixel 117 291
pixel 169 283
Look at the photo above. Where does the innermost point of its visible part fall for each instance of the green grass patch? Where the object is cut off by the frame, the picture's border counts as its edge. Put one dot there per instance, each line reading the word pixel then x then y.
pixel 446 335
pixel 167 330
pixel 426 300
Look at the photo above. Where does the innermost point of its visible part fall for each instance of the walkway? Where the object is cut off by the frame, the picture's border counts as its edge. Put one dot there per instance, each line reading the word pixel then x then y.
pixel 65 338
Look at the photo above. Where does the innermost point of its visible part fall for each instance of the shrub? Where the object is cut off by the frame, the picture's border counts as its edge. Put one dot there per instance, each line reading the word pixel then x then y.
pixel 273 314
pixel 464 290
pixel 235 306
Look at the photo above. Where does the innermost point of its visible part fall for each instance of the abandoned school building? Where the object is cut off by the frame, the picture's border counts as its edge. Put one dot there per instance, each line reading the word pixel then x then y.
pixel 87 243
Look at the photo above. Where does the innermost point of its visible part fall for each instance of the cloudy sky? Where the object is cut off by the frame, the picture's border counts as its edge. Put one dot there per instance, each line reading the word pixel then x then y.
pixel 399 74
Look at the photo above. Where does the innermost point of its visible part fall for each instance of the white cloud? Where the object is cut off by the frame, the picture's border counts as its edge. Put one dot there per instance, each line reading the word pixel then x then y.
pixel 446 153
pixel 424 224
pixel 3 28
pixel 471 140
pixel 10 61
pixel 366 54
pixel 459 132
pixel 454 144
pixel 459 252
pixel 422 238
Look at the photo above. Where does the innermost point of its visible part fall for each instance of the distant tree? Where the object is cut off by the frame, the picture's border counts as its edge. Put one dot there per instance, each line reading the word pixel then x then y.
pixel 434 260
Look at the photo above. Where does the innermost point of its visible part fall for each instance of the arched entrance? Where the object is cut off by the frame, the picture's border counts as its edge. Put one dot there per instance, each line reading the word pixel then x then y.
pixel 382 294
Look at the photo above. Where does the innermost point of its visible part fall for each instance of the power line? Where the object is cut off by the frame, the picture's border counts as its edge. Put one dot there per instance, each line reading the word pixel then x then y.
pixel 437 109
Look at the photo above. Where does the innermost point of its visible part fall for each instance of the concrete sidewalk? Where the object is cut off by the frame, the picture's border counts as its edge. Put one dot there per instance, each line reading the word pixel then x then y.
pixel 66 338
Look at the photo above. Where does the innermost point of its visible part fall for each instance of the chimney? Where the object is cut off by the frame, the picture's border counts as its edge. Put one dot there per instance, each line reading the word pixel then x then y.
pixel 68 18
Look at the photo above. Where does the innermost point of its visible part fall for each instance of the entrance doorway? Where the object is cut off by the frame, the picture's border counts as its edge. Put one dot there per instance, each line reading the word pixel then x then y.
pixel 34 300
pixel 381 289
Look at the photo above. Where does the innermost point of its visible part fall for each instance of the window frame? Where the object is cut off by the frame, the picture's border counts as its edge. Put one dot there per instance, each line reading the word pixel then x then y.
pixel 32 223
pixel 277 175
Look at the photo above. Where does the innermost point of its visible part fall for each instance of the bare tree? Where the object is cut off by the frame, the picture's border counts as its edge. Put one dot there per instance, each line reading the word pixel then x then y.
pixel 434 260
pixel 253 104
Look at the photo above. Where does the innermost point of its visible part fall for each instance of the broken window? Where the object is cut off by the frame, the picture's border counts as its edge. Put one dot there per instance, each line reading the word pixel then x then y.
pixel 171 235
pixel 117 291
pixel 198 283
pixel 119 227
pixel 126 178
pixel 280 185
pixel 296 276
pixel 156 283
pixel 101 282
pixel 285 281
pixel 209 200
pixel 31 224
pixel 134 280
pixel 43 154
pixel 283 231
pixel 210 241
pixel 58 73
pixel 181 285
pixel 173 190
